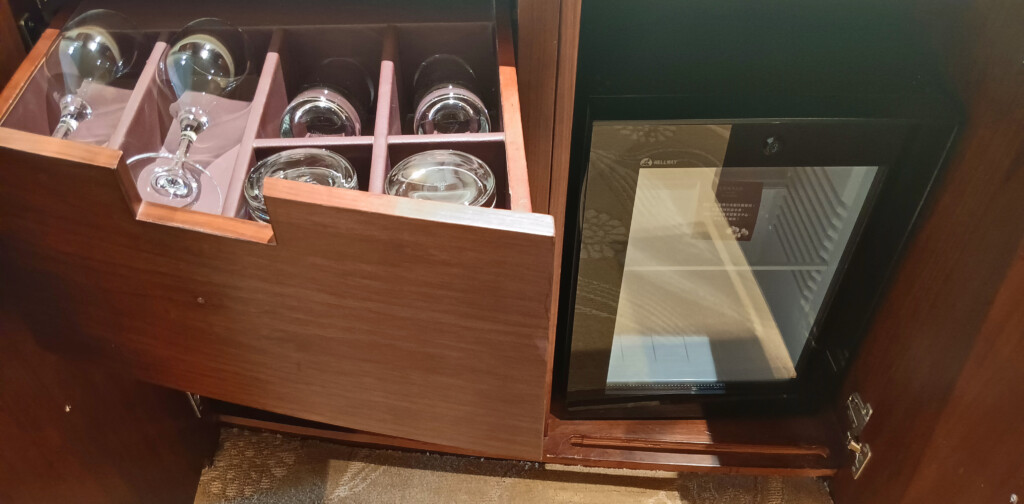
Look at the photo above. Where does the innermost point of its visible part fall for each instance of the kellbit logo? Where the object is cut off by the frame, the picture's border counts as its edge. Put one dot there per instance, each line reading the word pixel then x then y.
pixel 648 162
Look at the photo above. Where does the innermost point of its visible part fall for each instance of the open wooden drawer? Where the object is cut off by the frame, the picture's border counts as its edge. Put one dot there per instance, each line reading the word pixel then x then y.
pixel 408 318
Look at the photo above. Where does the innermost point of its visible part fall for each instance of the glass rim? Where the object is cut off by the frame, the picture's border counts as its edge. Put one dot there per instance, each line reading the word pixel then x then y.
pixel 480 200
pixel 252 189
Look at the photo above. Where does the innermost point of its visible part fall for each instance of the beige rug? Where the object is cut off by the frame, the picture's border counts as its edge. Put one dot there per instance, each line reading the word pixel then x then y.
pixel 256 467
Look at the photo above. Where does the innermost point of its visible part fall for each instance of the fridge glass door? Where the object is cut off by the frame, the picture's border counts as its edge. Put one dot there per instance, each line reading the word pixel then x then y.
pixel 692 276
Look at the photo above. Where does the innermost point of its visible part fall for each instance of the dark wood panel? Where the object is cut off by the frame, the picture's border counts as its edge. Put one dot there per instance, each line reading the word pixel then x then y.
pixel 11 49
pixel 934 314
pixel 75 433
pixel 565 95
pixel 976 453
pixel 537 59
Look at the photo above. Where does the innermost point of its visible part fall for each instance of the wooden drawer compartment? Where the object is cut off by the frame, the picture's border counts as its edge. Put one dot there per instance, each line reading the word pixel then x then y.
pixel 408 318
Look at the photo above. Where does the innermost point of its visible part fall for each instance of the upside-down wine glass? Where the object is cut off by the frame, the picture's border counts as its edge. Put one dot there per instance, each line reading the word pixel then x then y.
pixel 310 165
pixel 443 175
pixel 335 101
pixel 203 63
pixel 95 48
pixel 447 102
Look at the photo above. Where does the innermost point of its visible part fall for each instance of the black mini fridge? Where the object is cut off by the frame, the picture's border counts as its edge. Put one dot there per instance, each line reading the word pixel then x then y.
pixel 743 179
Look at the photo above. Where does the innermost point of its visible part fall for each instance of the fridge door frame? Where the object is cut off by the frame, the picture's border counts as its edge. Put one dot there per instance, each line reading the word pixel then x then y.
pixel 907 146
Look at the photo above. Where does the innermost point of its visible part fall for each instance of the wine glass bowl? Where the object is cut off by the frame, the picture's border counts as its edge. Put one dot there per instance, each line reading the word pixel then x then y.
pixel 96 47
pixel 334 102
pixel 444 86
pixel 207 56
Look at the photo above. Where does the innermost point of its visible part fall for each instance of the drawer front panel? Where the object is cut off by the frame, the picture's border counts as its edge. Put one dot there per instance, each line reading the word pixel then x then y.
pixel 426 327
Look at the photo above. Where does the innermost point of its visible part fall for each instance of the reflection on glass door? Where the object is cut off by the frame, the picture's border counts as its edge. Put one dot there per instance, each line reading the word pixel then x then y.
pixel 692 275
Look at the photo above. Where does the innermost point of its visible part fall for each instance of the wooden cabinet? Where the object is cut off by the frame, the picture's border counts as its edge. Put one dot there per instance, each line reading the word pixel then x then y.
pixel 409 318
pixel 369 318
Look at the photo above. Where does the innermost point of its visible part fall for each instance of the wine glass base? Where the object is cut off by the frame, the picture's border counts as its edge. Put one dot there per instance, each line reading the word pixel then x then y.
pixel 177 183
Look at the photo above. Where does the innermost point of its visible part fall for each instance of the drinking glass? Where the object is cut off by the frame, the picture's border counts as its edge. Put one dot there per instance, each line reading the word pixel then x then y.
pixel 309 165
pixel 443 175
pixel 334 101
pixel 202 64
pixel 447 103
pixel 95 48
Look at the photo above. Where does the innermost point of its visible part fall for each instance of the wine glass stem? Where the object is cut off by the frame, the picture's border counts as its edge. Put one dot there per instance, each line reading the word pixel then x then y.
pixel 184 145
pixel 191 121
pixel 64 129
pixel 174 180
pixel 73 110
pixel 188 138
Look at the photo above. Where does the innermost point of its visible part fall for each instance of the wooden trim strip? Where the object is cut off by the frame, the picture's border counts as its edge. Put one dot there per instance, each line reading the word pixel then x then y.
pixel 568 43
pixel 512 120
pixel 692 447
pixel 491 218
pixel 692 467
pixel 565 94
pixel 537 52
pixel 219 225
pixel 55 148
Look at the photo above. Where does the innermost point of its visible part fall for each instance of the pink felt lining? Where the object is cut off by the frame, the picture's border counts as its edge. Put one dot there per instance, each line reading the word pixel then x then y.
pixel 142 121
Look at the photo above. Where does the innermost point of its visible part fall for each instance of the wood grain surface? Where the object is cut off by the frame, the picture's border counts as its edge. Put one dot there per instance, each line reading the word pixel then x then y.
pixel 942 316
pixel 75 433
pixel 565 97
pixel 420 320
pixel 537 51
pixel 976 453
pixel 11 49
pixel 565 93
pixel 511 118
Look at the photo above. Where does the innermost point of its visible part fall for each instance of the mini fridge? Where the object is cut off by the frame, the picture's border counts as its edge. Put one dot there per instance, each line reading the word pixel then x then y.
pixel 741 186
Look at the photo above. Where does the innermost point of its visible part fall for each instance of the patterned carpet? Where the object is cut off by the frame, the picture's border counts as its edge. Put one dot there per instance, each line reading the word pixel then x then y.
pixel 254 467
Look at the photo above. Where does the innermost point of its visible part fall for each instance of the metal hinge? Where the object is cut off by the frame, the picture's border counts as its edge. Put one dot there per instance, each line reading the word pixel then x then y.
pixel 858 412
pixel 196 401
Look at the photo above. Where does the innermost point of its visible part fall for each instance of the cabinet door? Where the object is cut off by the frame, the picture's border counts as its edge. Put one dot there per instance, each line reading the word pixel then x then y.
pixel 941 365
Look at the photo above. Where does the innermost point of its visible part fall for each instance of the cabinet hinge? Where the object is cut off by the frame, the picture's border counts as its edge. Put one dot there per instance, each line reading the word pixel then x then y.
pixel 858 412
pixel 196 401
